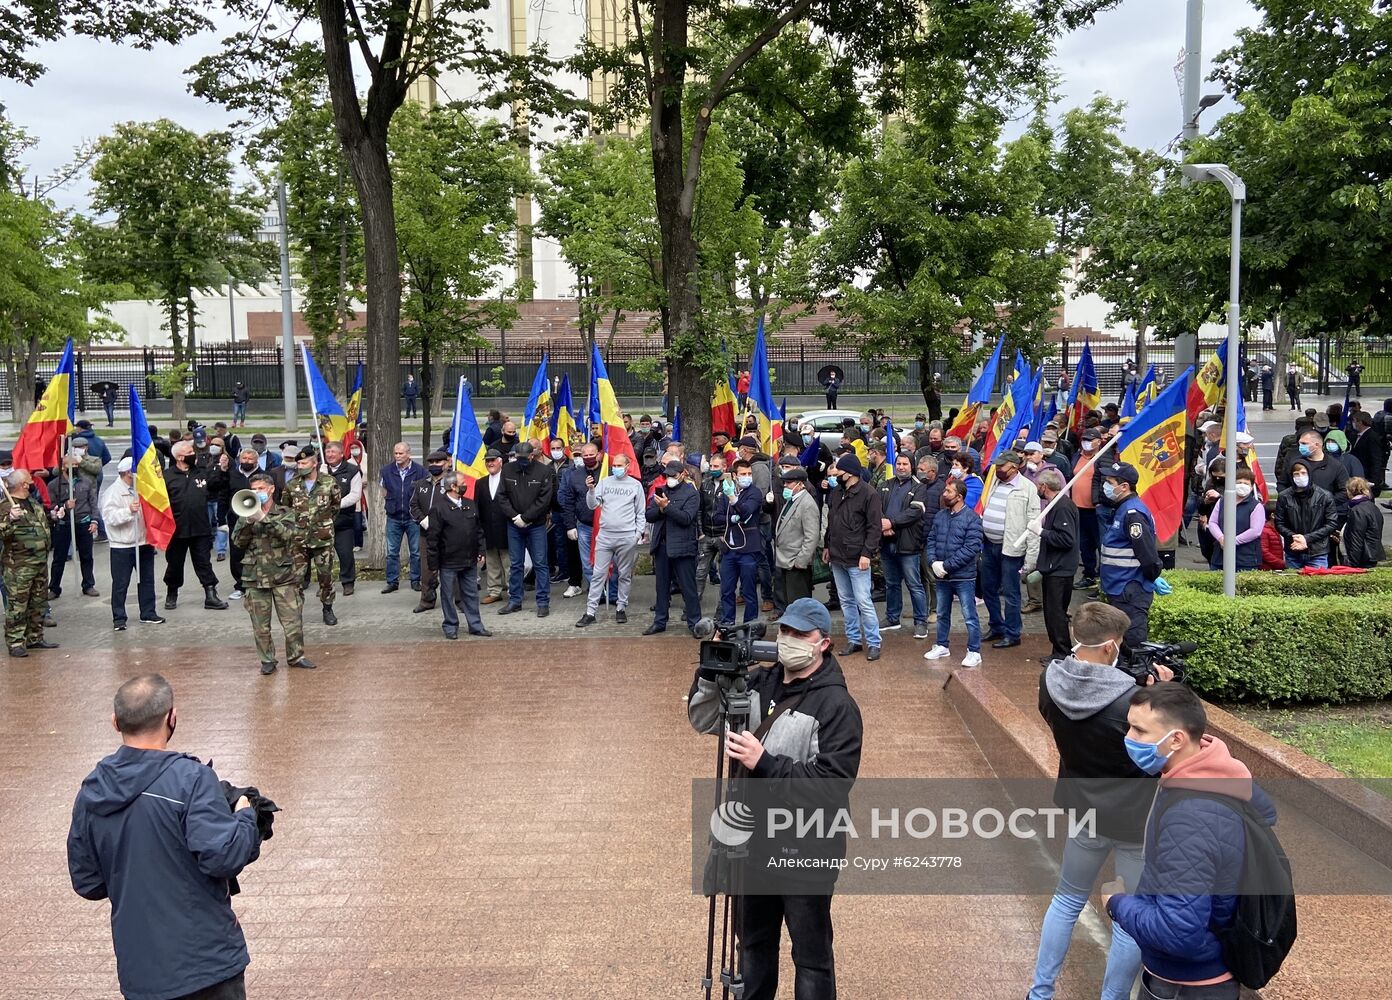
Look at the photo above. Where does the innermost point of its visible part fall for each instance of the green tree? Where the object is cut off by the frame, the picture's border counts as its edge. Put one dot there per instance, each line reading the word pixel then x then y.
pixel 172 215
pixel 456 184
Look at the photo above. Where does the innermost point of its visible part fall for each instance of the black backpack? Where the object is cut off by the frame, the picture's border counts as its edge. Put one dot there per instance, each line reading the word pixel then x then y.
pixel 1263 928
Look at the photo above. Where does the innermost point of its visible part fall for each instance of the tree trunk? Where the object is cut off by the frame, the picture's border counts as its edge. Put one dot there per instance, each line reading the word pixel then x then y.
pixel 1285 340
pixel 1142 348
pixel 176 398
pixel 21 381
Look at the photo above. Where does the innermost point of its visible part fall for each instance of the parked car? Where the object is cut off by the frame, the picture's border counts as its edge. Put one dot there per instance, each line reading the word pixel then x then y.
pixel 827 423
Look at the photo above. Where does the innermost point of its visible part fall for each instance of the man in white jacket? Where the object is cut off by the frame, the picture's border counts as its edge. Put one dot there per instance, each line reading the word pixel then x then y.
pixel 622 510
pixel 125 533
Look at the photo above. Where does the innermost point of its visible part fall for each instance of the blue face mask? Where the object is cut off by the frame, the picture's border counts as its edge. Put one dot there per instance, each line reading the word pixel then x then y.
pixel 1109 491
pixel 1332 447
pixel 787 493
pixel 1304 450
pixel 1146 756
pixel 619 471
pixel 833 481
pixel 918 423
pixel 262 497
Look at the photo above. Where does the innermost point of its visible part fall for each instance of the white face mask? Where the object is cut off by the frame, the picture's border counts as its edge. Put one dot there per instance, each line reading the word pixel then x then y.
pixel 958 474
pixel 215 449
pixel 1032 466
pixel 673 482
pixel 1089 445
pixel 1244 490
pixel 1301 481
pixel 557 454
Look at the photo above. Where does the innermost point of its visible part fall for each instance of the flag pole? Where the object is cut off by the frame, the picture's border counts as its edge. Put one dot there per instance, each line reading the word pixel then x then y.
pixel 1068 486
pixel 313 406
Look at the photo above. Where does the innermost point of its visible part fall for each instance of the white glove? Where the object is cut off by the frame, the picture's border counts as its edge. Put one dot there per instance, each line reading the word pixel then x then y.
pixel 768 498
pixel 939 570
pixel 734 519
pixel 1036 527
pixel 519 522
pixel 425 523
pixel 573 535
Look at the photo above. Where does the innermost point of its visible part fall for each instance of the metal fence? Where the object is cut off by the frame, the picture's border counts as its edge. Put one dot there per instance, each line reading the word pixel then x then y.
pixel 497 371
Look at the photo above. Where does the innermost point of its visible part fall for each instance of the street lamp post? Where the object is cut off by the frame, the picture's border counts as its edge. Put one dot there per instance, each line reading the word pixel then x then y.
pixel 1237 190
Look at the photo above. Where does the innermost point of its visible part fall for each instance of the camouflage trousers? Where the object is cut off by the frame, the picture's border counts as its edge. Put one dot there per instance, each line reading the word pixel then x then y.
pixel 288 601
pixel 319 563
pixel 26 585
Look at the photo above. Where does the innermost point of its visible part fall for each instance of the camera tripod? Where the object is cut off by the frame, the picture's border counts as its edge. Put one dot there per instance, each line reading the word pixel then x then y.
pixel 727 861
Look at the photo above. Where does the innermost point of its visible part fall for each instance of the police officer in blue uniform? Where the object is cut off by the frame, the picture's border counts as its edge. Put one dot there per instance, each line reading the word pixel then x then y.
pixel 1130 561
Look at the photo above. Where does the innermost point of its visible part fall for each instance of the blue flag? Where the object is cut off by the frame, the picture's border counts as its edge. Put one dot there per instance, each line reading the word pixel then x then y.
pixel 891 451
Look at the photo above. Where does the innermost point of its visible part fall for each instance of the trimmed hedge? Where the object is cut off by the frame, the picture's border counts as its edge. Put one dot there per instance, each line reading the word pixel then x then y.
pixel 1284 638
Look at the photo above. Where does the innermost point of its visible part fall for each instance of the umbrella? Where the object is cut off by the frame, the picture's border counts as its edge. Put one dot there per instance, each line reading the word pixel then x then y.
pixel 826 371
pixel 100 387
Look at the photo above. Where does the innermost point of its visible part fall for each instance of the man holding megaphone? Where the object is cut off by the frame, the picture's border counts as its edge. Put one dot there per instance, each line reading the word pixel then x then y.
pixel 271 571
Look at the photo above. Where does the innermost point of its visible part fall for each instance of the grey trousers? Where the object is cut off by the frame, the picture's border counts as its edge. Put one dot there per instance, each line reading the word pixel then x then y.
pixel 622 553
pixel 707 552
pixel 496 566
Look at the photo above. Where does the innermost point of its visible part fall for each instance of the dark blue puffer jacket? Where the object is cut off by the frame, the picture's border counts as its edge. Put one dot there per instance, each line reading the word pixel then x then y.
pixel 570 496
pixel 1193 863
pixel 151 830
pixel 956 542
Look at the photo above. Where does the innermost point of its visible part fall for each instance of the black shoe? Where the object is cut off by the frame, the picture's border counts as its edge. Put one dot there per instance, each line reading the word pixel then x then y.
pixel 18 651
pixel 621 617
pixel 329 617
pixel 390 588
pixel 1005 643
pixel 873 653
pixel 483 633
pixel 53 595
pixel 157 620
pixel 51 622
pixel 348 589
pixel 304 663
pixel 543 611
pixel 511 609
pixel 423 606
pixel 91 592
pixel 268 667
pixel 890 626
pixel 211 601
pixel 118 626
pixel 991 636
pixel 654 629
pixel 586 620
pixel 415 585
pixel 1086 582
pixel 451 635
pixel 43 644
pixel 221 557
pixel 851 647
pixel 171 599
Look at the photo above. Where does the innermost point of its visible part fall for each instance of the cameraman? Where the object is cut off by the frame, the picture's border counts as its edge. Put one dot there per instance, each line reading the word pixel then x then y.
pixel 1085 698
pixel 806 756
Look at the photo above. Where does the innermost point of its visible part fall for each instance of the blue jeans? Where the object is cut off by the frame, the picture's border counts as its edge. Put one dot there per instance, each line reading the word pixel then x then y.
pixel 214 517
pixel 1083 858
pixel 468 582
pixel 1299 560
pixel 584 537
pixel 965 592
pixel 395 528
pixel 903 569
pixel 1000 585
pixel 239 412
pixel 853 590
pixel 739 569
pixel 521 542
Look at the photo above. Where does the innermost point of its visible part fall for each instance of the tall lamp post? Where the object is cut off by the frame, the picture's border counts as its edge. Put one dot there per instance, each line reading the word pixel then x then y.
pixel 1237 190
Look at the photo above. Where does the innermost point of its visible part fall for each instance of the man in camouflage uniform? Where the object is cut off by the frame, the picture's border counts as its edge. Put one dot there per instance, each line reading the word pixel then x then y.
pixel 24 561
pixel 271 573
pixel 315 498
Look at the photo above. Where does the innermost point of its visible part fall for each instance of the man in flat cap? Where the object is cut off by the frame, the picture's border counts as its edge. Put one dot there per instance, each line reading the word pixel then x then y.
pixel 314 499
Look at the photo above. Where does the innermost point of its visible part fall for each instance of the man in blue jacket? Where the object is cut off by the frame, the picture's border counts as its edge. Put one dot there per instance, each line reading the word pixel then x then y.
pixel 955 544
pixel 152 832
pixel 1194 847
pixel 738 510
pixel 399 479
pixel 674 511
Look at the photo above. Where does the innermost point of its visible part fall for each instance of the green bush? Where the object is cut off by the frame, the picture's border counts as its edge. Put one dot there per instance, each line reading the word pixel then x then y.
pixel 1332 641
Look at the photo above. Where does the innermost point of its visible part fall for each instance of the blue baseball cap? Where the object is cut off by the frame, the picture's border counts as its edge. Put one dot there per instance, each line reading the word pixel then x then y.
pixel 807 615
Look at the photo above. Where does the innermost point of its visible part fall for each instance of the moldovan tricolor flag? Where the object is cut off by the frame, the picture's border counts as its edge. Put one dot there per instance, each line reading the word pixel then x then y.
pixel 354 408
pixel 761 396
pixel 40 444
pixel 722 409
pixel 615 438
pixel 1153 442
pixel 537 417
pixel 562 417
pixel 334 424
pixel 149 479
pixel 466 442
pixel 1210 384
pixel 1084 395
pixel 979 396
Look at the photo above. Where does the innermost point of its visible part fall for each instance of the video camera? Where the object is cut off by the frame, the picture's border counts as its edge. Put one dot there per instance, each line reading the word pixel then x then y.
pixel 1146 656
pixel 732 649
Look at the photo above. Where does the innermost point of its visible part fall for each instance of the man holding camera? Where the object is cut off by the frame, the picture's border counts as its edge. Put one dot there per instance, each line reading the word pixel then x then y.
pixel 271 575
pixel 1084 698
pixel 805 752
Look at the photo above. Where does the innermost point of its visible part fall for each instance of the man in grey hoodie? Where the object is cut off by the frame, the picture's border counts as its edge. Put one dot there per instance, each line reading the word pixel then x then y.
pixel 1084 699
pixel 622 520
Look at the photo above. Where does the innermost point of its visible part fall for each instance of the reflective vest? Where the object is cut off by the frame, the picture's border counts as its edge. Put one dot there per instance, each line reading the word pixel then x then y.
pixel 1119 565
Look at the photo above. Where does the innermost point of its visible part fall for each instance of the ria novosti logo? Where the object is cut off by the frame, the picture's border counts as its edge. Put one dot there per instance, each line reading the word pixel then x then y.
pixel 732 823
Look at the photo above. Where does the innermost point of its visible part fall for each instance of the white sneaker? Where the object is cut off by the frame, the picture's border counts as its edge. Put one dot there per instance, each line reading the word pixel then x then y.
pixel 937 653
pixel 572 592
pixel 236 595
pixel 971 660
pixel 981 602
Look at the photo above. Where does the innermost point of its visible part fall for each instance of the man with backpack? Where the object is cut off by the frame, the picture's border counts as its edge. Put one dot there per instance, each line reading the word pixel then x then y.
pixel 1213 910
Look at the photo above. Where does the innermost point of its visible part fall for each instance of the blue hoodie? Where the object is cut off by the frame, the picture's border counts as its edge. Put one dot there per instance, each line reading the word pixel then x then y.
pixel 152 831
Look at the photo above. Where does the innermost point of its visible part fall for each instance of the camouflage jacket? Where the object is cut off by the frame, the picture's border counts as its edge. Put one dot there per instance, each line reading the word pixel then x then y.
pixel 269 545
pixel 314 509
pixel 28 537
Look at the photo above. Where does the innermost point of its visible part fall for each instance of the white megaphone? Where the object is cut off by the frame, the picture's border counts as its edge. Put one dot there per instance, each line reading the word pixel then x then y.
pixel 245 504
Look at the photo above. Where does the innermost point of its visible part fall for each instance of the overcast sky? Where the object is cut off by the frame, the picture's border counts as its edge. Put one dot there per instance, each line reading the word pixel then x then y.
pixel 1129 54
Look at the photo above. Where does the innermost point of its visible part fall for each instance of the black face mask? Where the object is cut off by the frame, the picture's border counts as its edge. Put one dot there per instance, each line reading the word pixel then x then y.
pixel 248 468
pixel 437 470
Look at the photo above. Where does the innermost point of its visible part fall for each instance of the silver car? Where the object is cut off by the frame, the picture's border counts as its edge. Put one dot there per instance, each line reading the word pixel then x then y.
pixel 827 423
